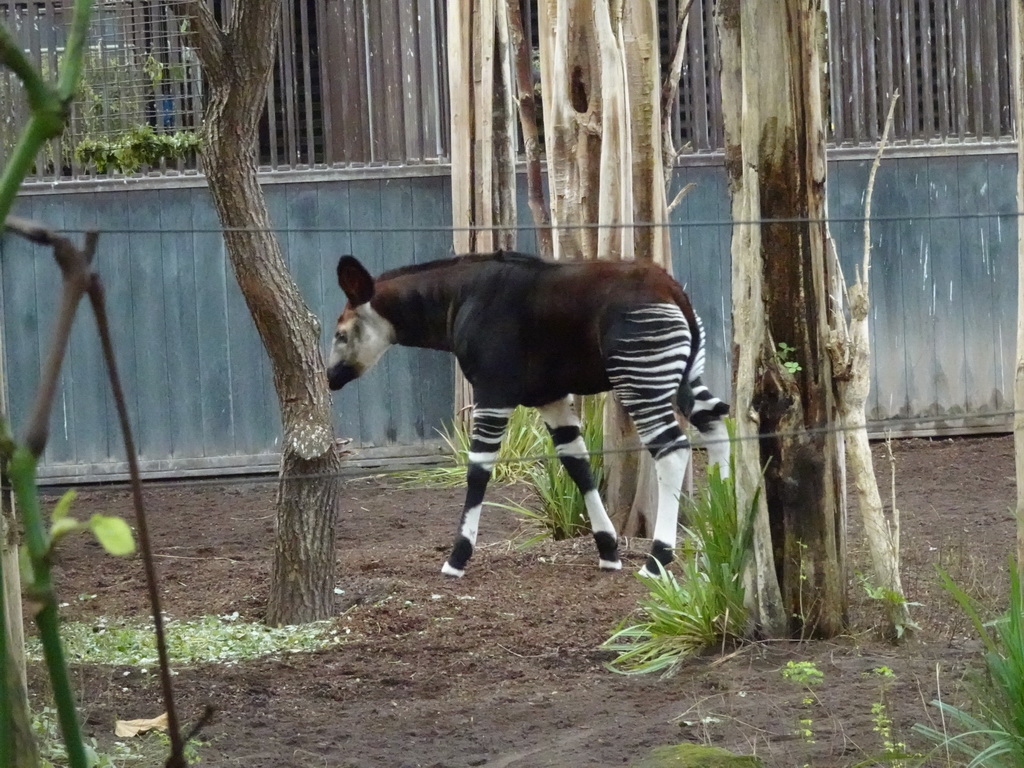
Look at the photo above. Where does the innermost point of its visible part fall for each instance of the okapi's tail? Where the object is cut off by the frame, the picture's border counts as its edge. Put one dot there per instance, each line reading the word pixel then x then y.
pixel 694 399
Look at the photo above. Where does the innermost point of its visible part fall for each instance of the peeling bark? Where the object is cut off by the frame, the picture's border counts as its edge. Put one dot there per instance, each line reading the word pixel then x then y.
pixel 483 139
pixel 850 351
pixel 772 64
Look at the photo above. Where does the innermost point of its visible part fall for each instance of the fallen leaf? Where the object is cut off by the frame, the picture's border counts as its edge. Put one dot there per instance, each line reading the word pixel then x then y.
pixel 128 728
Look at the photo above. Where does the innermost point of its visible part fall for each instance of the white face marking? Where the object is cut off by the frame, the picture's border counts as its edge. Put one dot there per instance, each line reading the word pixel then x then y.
pixel 362 336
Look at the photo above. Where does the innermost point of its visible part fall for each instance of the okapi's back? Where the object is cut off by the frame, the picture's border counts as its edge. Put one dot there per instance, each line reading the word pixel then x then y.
pixel 562 290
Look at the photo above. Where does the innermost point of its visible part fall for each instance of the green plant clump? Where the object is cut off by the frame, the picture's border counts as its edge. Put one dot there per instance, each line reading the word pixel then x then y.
pixel 524 437
pixel 136 147
pixel 993 736
pixel 563 513
pixel 686 616
pixel 525 456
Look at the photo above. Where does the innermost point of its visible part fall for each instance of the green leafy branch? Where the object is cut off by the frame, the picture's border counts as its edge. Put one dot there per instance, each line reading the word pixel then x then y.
pixel 139 146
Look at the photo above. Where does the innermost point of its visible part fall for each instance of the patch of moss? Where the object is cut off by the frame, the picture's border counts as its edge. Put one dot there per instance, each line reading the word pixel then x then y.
pixel 696 756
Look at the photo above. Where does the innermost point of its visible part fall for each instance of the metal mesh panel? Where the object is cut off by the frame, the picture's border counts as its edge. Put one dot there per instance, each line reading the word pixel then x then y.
pixel 139 78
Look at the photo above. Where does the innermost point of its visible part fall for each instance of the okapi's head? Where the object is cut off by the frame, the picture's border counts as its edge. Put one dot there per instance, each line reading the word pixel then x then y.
pixel 362 334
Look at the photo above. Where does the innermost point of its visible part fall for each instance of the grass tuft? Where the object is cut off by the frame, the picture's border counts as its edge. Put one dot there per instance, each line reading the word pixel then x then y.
pixel 561 513
pixel 525 440
pixel 994 736
pixel 683 617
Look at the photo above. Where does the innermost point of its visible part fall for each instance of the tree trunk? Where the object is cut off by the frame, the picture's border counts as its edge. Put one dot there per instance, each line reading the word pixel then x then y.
pixel 237 62
pixel 1017 53
pixel 572 118
pixel 602 125
pixel 850 351
pixel 13 667
pixel 526 102
pixel 15 685
pixel 775 155
pixel 483 138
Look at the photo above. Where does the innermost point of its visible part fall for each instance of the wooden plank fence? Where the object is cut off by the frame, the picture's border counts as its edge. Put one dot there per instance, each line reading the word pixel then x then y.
pixel 198 381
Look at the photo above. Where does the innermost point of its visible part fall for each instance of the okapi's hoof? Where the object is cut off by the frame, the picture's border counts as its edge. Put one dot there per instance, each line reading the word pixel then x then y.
pixel 609 565
pixel 658 560
pixel 652 569
pixel 455 573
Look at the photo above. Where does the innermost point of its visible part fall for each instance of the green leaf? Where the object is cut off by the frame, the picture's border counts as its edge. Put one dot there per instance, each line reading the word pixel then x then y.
pixel 113 534
pixel 63 526
pixel 63 507
pixel 25 565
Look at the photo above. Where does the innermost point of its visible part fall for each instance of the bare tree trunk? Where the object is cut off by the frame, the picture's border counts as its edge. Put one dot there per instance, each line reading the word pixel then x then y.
pixel 1017 52
pixel 572 119
pixel 773 62
pixel 850 350
pixel 526 102
pixel 483 138
pixel 650 243
pixel 15 685
pixel 601 90
pixel 237 61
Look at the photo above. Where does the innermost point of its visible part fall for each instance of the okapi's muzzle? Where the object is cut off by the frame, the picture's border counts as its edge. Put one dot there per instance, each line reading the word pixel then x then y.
pixel 341 374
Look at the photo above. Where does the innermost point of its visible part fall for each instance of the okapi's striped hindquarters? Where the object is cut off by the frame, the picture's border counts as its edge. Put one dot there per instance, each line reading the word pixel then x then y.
pixel 532 332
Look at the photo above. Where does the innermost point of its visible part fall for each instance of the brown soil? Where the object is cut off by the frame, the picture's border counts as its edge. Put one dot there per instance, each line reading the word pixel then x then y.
pixel 502 668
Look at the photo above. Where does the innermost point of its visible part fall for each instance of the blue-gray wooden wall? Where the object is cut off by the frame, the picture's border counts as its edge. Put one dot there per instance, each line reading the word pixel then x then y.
pixel 198 380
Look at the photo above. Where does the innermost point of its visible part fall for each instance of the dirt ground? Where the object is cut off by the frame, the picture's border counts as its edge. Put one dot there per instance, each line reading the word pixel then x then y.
pixel 502 668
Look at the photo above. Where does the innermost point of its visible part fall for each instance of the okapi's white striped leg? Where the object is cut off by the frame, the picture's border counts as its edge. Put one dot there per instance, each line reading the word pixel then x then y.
pixel 488 429
pixel 646 367
pixel 564 426
pixel 671 454
pixel 706 414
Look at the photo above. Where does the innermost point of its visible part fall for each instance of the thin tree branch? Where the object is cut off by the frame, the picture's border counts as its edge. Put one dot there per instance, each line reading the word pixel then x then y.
pixel 98 302
pixel 71 66
pixel 206 33
pixel 78 279
pixel 12 57
pixel 679 197
pixel 670 88
pixel 75 266
pixel 75 269
pixel 866 264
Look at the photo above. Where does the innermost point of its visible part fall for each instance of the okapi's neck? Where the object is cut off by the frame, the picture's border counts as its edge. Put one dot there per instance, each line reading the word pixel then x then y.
pixel 419 309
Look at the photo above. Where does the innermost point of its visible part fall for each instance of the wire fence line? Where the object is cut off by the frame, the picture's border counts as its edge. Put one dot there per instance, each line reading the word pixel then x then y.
pixel 894 218
pixel 453 461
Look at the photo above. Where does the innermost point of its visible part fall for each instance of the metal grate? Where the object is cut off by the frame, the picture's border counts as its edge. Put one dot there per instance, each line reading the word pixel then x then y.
pixel 365 81
pixel 138 75
pixel 949 59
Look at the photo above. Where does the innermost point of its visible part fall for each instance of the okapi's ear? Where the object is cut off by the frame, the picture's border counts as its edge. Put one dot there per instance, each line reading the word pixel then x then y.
pixel 354 280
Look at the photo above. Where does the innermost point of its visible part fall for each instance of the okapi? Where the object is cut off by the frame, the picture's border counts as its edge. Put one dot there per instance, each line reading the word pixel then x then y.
pixel 532 332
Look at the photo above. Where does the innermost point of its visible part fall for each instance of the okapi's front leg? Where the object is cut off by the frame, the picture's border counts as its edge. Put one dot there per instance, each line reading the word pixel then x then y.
pixel 564 426
pixel 488 429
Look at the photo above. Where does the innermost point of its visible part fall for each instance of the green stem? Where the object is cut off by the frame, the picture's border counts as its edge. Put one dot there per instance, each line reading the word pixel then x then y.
pixel 23 478
pixel 72 68
pixel 49 104
pixel 6 694
pixel 32 139
pixel 15 59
